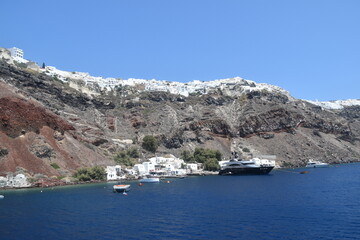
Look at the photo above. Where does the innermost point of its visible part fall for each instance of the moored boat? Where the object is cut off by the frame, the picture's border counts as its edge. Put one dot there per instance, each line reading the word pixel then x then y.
pixel 316 164
pixel 150 180
pixel 244 167
pixel 121 188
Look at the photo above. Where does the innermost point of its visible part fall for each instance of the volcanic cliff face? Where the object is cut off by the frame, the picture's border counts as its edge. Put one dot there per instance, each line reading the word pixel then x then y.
pixel 32 136
pixel 45 121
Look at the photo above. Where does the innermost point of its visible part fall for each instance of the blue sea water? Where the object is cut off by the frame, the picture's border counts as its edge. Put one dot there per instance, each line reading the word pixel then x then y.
pixel 323 204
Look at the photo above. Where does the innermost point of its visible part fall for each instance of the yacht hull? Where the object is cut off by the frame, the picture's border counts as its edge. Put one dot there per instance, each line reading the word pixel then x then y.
pixel 246 171
pixel 149 180
pixel 318 166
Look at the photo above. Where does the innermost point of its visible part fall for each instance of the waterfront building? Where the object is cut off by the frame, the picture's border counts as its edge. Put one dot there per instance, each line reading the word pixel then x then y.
pixel 149 167
pixel 113 172
pixel 178 172
pixel 193 167
pixel 169 165
pixel 130 171
pixel 19 180
pixel 140 169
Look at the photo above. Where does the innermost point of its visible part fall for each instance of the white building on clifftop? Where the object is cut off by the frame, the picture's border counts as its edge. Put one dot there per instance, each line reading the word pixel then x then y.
pixel 17 54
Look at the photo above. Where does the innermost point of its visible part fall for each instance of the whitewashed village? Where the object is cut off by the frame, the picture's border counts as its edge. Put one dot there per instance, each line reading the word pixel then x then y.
pixel 86 83
pixel 162 167
pixel 166 167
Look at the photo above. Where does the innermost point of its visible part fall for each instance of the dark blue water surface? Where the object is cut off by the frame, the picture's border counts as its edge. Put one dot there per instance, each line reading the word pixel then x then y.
pixel 323 204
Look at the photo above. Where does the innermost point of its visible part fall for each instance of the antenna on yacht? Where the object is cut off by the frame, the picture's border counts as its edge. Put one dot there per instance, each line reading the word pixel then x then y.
pixel 234 156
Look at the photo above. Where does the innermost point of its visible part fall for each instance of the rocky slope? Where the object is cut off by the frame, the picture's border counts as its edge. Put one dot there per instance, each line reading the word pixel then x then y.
pixel 32 136
pixel 45 121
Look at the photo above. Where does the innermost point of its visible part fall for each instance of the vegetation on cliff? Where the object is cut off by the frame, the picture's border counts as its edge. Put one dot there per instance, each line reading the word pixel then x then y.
pixel 210 158
pixel 89 174
pixel 127 157
pixel 150 143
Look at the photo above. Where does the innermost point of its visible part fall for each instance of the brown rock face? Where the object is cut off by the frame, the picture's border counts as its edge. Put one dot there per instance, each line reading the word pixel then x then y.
pixel 32 136
pixel 37 152
pixel 270 121
pixel 17 116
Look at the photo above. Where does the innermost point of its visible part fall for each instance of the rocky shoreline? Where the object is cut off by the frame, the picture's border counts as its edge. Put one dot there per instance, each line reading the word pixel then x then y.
pixel 53 182
pixel 50 182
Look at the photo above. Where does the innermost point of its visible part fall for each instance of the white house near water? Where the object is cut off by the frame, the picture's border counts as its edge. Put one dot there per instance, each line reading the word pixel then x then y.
pixel 140 169
pixel 113 172
pixel 10 180
pixel 149 167
pixel 193 167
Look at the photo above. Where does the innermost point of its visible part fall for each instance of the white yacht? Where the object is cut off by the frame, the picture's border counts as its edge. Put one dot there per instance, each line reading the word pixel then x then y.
pixel 243 167
pixel 316 164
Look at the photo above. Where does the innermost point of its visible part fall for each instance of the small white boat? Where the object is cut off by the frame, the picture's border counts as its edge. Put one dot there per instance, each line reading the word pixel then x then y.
pixel 2 196
pixel 150 180
pixel 121 188
pixel 316 164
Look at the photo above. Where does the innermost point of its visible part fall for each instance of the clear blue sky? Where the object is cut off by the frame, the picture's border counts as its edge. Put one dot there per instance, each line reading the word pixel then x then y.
pixel 309 47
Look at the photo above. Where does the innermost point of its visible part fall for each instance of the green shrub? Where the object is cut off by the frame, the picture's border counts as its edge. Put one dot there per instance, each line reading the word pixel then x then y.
pixel 97 173
pixel 128 157
pixel 208 157
pixel 123 158
pixel 211 164
pixel 187 156
pixel 202 154
pixel 87 174
pixel 133 153
pixel 150 143
pixel 246 150
pixel 81 171
pixel 55 166
pixel 84 178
